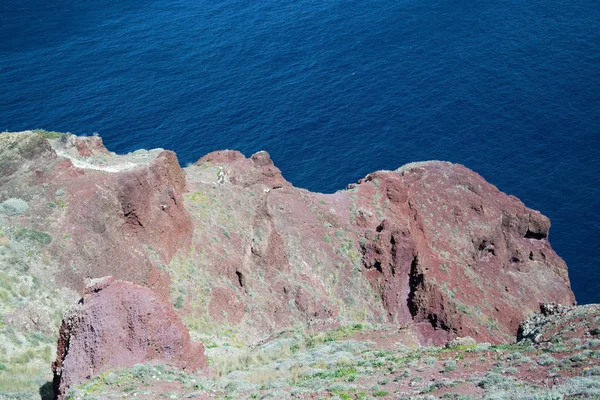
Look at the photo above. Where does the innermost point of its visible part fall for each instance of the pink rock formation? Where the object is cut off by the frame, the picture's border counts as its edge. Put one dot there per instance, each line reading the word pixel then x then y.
pixel 258 169
pixel 108 216
pixel 443 250
pixel 431 245
pixel 119 324
pixel 482 261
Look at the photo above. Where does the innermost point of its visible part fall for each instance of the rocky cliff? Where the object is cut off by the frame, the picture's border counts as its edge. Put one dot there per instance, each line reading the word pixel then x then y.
pixel 241 253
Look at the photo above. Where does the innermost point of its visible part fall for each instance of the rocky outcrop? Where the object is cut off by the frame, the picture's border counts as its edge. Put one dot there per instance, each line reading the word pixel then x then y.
pixel 483 261
pixel 239 170
pixel 119 324
pixel 431 244
pixel 559 323
pixel 105 214
pixel 238 249
pixel 18 151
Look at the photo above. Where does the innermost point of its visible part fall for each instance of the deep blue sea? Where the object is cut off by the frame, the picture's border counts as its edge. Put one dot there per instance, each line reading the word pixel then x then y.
pixel 332 89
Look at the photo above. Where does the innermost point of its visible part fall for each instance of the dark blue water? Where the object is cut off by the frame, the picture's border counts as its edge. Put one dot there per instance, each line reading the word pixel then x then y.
pixel 332 89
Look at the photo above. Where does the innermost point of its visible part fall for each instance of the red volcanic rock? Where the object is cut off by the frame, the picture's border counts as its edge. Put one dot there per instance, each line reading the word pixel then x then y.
pixel 482 259
pixel 239 170
pixel 431 245
pixel 152 205
pixel 455 256
pixel 106 214
pixel 119 324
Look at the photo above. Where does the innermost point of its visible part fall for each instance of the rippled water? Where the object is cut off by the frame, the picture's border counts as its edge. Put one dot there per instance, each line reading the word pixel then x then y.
pixel 333 90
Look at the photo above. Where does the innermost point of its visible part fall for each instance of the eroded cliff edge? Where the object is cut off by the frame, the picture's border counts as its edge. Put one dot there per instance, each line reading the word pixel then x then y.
pixel 232 242
pixel 241 252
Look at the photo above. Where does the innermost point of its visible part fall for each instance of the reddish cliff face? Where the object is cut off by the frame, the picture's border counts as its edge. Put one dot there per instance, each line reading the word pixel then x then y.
pixel 482 261
pixel 107 215
pixel 431 244
pixel 119 324
pixel 238 249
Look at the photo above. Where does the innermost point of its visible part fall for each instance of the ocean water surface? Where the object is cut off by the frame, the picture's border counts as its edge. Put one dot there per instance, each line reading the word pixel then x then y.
pixel 332 89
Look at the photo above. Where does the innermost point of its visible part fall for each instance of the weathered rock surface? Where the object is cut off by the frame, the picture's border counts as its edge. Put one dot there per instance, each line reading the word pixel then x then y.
pixel 107 215
pixel 241 253
pixel 483 260
pixel 431 244
pixel 119 324
pixel 557 322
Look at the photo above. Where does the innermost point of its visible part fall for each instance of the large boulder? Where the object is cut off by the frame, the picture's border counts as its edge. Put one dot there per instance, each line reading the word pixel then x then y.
pixel 119 324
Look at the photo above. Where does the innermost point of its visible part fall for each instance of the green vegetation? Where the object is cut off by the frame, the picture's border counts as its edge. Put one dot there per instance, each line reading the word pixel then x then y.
pixel 450 366
pixel 33 236
pixel 30 314
pixel 226 233
pixel 48 134
pixel 23 371
pixel 380 393
pixel 330 363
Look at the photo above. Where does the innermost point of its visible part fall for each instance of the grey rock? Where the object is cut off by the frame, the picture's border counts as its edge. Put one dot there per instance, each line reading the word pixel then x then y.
pixel 461 341
pixel 12 207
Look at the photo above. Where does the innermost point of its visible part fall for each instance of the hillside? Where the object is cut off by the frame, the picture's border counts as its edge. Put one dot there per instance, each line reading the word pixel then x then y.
pixel 288 291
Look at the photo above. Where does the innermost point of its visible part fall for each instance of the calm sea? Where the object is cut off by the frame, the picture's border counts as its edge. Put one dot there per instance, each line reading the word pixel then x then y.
pixel 332 89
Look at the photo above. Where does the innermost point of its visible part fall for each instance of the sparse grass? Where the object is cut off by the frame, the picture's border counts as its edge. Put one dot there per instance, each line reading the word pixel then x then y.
pixel 439 385
pixel 223 364
pixel 48 134
pixel 380 393
pixel 581 386
pixel 495 380
pixel 226 233
pixel 341 372
pixel 593 371
pixel 331 336
pixel 325 362
pixel 546 359
pixel 450 366
pixel 30 313
pixel 130 380
pixel 584 355
pixel 557 348
pixel 33 236
pixel 23 378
